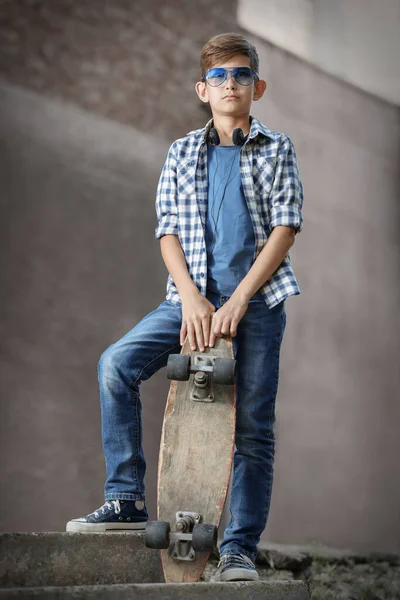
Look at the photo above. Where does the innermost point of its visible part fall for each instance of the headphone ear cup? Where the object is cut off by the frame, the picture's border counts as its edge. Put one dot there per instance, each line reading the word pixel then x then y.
pixel 238 138
pixel 213 136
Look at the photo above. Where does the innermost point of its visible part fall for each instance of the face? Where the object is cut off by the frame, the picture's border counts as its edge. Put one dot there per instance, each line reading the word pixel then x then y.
pixel 231 98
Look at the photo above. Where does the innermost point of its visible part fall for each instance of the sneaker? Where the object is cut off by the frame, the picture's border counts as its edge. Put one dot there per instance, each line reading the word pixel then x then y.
pixel 237 567
pixel 114 514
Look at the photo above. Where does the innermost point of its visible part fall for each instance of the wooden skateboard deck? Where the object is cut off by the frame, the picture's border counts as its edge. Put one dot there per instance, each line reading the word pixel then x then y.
pixel 195 460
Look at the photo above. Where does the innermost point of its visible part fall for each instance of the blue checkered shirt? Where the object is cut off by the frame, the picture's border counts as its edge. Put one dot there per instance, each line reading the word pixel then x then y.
pixel 272 189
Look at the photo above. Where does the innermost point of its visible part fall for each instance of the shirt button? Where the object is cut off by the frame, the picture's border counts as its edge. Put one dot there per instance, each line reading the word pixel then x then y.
pixel 201 274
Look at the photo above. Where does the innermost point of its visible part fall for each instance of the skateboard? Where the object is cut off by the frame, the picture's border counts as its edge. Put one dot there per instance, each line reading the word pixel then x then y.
pixel 195 460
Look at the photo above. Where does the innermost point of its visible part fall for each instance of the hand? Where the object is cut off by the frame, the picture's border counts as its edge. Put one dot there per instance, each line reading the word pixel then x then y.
pixel 226 319
pixel 196 320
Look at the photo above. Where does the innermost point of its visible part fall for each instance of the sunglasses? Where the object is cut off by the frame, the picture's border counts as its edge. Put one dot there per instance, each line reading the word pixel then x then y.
pixel 218 75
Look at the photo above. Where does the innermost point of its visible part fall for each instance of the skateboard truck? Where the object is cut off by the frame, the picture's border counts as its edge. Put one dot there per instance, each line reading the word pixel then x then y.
pixel 202 388
pixel 182 549
pixel 191 536
pixel 208 370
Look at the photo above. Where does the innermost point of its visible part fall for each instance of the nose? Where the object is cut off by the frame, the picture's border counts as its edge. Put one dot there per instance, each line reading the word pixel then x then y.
pixel 230 82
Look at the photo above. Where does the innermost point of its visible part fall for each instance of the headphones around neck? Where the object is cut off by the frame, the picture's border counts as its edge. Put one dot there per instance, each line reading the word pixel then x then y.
pixel 238 137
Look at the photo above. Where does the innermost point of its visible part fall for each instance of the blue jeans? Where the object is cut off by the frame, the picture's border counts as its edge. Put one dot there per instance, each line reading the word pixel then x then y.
pixel 143 351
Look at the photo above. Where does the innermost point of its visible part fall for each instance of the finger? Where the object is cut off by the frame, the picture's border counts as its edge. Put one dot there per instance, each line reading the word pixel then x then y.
pixel 206 329
pixel 217 329
pixel 212 334
pixel 199 335
pixel 220 325
pixel 233 328
pixel 226 326
pixel 192 338
pixel 183 334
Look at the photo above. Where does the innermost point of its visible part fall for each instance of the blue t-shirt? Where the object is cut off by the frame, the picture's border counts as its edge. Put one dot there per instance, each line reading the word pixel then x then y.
pixel 230 236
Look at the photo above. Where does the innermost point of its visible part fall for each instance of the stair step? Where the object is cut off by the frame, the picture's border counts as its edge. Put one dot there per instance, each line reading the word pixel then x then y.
pixel 112 565
pixel 65 559
pixel 254 590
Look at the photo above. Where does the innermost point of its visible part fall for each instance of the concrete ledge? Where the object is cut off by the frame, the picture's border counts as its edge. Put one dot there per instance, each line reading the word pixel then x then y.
pixel 67 559
pixel 260 590
pixel 296 558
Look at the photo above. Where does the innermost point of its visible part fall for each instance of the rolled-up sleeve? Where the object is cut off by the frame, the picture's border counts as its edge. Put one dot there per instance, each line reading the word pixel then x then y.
pixel 166 204
pixel 286 198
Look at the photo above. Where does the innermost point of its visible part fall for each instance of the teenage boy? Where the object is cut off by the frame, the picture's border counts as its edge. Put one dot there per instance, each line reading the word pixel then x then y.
pixel 229 206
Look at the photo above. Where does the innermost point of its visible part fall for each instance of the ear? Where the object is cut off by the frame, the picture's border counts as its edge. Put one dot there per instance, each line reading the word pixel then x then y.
pixel 201 90
pixel 259 89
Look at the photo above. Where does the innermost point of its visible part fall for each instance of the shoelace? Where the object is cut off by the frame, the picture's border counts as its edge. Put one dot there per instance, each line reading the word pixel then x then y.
pixel 236 560
pixel 116 504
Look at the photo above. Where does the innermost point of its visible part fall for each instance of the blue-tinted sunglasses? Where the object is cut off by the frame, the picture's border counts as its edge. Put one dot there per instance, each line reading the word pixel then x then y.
pixel 218 75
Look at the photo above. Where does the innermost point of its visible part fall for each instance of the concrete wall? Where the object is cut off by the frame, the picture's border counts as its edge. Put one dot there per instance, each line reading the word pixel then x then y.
pixel 356 40
pixel 338 411
pixel 74 188
pixel 74 265
pixel 342 395
pixel 79 267
pixel 132 62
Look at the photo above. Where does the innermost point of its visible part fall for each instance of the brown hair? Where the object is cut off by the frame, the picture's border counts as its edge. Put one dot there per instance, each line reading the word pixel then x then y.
pixel 223 47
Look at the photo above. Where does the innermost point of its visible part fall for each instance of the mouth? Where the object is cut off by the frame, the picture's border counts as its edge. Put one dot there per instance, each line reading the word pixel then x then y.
pixel 230 98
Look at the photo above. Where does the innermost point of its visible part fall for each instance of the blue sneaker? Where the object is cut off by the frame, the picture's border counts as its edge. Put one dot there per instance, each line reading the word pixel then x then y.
pixel 114 514
pixel 237 567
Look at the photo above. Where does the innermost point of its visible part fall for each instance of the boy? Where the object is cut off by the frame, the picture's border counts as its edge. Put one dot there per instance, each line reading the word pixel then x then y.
pixel 229 205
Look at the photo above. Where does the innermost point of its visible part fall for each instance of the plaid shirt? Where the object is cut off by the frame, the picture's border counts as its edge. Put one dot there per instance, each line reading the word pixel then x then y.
pixel 272 189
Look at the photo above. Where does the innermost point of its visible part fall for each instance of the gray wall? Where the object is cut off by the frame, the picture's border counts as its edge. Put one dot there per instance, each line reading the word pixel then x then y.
pixel 355 40
pixel 79 267
pixel 73 266
pixel 337 476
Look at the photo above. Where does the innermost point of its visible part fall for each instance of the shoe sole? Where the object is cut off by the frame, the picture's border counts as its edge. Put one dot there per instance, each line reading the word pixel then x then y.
pixel 239 575
pixel 73 526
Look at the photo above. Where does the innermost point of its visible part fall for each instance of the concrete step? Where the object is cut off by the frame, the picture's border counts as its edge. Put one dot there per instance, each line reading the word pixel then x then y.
pixel 110 565
pixel 259 590
pixel 65 559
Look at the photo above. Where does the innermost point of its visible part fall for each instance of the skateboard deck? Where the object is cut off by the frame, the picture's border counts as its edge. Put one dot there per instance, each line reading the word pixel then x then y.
pixel 196 452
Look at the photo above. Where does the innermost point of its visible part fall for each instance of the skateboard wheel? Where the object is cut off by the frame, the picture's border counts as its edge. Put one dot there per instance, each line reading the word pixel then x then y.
pixel 178 367
pixel 157 534
pixel 204 537
pixel 224 371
